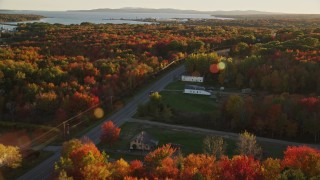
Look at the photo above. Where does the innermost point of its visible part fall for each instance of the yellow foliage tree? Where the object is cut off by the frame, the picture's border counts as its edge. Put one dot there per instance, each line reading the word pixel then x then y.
pixel 10 156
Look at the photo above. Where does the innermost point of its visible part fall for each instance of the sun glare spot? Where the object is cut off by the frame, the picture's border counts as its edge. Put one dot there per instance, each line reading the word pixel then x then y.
pixel 214 68
pixel 98 113
pixel 221 65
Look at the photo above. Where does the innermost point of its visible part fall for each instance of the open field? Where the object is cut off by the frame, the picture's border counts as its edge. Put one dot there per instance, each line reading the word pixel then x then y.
pixel 198 104
pixel 189 102
pixel 191 141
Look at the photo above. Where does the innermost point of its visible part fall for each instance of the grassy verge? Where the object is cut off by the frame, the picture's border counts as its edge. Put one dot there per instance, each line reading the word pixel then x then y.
pixel 27 165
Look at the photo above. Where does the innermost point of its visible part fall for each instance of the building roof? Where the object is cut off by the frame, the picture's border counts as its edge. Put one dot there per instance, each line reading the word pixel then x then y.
pixel 191 76
pixel 145 138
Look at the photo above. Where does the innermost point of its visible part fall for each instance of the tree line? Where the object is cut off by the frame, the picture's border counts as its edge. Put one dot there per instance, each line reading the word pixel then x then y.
pixel 82 160
pixel 51 72
pixel 19 17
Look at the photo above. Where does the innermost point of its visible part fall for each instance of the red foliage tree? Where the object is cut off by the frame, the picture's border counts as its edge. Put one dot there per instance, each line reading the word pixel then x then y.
pixel 109 133
pixel 239 167
pixel 89 80
pixel 136 168
pixel 81 101
pixel 304 158
pixel 310 103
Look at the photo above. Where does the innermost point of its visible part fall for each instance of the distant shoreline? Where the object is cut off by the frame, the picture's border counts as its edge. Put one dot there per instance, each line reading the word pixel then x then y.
pixel 177 11
pixel 15 18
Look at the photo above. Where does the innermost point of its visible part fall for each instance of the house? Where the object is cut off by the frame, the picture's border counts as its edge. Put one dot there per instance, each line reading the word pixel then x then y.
pixel 143 141
pixel 191 78
pixel 194 89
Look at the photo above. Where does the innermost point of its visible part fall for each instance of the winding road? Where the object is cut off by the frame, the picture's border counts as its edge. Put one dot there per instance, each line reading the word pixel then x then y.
pixel 44 170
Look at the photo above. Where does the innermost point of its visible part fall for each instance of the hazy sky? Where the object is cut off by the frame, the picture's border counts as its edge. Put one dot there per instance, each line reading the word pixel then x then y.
pixel 287 6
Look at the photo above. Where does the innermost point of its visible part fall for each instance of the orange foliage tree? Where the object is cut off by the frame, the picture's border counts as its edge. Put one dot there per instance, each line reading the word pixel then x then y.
pixel 82 160
pixel 159 163
pixel 199 165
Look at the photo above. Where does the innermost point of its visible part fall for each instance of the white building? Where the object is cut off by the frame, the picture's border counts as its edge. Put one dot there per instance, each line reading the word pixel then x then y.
pixel 191 78
pixel 194 89
pixel 143 141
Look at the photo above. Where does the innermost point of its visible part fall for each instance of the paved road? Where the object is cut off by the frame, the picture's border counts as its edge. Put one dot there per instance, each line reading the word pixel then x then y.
pixel 43 170
pixel 228 135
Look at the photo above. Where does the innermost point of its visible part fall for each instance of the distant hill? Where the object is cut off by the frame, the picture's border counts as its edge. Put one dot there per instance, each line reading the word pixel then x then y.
pixel 178 11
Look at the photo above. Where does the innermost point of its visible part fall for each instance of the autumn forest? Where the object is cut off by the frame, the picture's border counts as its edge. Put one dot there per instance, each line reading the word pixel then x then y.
pixel 50 73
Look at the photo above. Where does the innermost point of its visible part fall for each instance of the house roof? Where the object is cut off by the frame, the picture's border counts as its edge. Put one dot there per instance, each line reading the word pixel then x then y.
pixel 145 138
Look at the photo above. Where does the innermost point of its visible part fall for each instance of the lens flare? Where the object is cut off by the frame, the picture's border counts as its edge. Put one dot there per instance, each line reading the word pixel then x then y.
pixel 221 65
pixel 98 113
pixel 214 68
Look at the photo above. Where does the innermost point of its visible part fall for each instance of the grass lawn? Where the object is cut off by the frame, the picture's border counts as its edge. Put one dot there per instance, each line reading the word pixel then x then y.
pixel 191 142
pixel 189 102
pixel 26 166
pixel 179 85
pixel 176 85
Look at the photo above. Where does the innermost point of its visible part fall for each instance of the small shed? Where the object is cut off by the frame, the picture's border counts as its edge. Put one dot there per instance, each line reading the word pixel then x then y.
pixel 143 141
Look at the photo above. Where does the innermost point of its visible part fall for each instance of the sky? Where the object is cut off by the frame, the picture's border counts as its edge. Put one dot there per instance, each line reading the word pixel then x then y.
pixel 285 6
